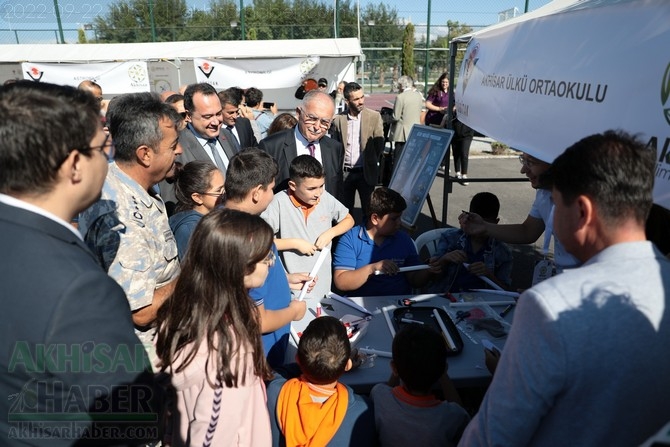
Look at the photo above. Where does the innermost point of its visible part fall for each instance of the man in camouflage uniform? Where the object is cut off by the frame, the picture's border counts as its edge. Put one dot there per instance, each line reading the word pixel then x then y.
pixel 128 228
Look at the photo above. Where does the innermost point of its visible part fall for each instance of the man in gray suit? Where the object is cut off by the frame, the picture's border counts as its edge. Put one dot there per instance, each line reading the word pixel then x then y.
pixel 315 116
pixel 67 349
pixel 406 113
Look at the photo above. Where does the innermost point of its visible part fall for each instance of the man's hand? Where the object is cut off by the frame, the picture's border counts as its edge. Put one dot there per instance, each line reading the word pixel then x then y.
pixel 472 224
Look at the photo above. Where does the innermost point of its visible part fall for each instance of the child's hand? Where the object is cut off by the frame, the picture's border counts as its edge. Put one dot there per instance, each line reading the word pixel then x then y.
pixel 454 257
pixel 322 241
pixel 478 269
pixel 385 267
pixel 297 280
pixel 299 309
pixel 305 247
pixel 435 264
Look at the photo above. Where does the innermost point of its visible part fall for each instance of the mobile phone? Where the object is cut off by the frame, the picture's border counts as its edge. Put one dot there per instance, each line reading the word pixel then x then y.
pixel 268 105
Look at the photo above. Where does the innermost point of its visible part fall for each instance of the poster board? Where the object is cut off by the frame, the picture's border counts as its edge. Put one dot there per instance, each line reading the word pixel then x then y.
pixel 415 170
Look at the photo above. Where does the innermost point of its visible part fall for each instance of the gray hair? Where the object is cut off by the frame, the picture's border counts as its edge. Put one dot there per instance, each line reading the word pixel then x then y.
pixel 405 82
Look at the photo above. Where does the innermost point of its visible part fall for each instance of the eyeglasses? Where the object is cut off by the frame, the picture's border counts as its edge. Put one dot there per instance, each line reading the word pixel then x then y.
pixel 311 119
pixel 526 161
pixel 269 260
pixel 107 148
pixel 213 194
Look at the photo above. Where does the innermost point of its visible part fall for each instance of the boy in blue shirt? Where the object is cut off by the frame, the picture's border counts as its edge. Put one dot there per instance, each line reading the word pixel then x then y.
pixel 367 257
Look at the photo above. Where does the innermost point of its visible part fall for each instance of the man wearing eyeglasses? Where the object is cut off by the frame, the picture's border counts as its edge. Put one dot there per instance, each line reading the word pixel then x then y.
pixel 315 116
pixel 128 228
pixel 539 220
pixel 361 131
pixel 62 316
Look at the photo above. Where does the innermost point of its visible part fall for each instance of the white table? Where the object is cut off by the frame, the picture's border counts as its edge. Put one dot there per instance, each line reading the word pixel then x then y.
pixel 465 369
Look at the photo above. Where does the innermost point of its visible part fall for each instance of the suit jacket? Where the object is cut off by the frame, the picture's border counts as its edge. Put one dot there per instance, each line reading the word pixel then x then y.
pixel 245 132
pixel 282 147
pixel 407 112
pixel 55 295
pixel 191 150
pixel 371 140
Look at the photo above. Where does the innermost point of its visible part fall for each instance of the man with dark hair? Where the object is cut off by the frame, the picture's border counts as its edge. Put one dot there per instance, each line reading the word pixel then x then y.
pixel 64 320
pixel 128 227
pixel 235 126
pixel 361 132
pixel 593 340
pixel 367 257
pixel 262 115
pixel 315 115
pixel 248 186
pixel 316 409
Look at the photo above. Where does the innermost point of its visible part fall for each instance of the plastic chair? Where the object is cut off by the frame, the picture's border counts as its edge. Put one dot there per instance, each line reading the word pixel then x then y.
pixel 429 239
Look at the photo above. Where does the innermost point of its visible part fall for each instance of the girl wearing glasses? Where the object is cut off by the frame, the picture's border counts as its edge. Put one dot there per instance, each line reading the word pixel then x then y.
pixel 209 334
pixel 199 189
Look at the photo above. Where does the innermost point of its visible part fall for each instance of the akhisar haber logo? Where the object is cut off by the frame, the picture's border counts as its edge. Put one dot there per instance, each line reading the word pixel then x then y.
pixel 469 65
pixel 665 93
pixel 206 69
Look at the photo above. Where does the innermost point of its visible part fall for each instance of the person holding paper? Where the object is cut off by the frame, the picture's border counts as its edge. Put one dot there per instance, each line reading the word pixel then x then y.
pixel 301 217
pixel 462 261
pixel 369 257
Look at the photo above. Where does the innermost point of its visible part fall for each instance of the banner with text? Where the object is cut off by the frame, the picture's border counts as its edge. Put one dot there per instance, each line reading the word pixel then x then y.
pixel 115 78
pixel 541 85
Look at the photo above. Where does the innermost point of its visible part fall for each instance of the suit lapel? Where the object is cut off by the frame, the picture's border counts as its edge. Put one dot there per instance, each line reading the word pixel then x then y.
pixel 228 146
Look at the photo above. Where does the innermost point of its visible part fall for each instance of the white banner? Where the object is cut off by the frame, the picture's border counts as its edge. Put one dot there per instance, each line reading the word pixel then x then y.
pixel 260 73
pixel 539 85
pixel 115 78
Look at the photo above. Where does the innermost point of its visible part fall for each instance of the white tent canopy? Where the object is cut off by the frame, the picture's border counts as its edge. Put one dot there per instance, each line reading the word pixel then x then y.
pixel 276 67
pixel 572 68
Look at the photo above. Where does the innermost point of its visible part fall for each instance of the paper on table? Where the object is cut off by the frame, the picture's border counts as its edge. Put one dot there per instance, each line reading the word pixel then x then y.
pixel 315 270
pixel 409 268
pixel 348 302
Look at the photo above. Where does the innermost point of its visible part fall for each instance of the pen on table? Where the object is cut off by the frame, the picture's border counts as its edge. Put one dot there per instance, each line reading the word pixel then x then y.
pixel 506 310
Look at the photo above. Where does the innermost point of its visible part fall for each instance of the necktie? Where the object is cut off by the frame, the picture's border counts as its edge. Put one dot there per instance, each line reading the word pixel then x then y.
pixel 311 148
pixel 217 158
pixel 233 138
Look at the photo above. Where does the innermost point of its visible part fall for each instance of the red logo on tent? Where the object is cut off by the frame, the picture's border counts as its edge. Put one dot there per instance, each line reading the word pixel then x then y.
pixel 206 69
pixel 35 74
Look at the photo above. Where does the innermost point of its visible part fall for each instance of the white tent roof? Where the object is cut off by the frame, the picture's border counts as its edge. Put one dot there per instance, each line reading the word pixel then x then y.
pixel 238 49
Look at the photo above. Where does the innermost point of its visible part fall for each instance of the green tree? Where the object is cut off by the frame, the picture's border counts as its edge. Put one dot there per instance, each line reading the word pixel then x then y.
pixel 81 36
pixel 130 21
pixel 408 52
pixel 455 30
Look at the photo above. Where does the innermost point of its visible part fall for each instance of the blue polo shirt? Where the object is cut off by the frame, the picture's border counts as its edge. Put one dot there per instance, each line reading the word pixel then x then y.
pixel 355 250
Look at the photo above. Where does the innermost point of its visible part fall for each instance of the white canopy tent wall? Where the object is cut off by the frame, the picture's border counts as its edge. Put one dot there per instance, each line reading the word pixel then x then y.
pixel 171 64
pixel 546 79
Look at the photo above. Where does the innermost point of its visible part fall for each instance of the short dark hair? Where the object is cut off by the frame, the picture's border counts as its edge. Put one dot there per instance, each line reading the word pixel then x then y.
pixel 420 357
pixel 486 204
pixel 384 201
pixel 351 87
pixel 203 88
pixel 305 166
pixel 173 99
pixel 194 177
pixel 134 120
pixel 41 124
pixel 283 121
pixel 247 169
pixel 323 350
pixel 322 82
pixel 232 95
pixel 614 169
pixel 253 96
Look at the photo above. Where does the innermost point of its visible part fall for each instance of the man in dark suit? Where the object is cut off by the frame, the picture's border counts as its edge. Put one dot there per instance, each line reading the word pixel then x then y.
pixel 315 116
pixel 202 138
pixel 234 124
pixel 64 323
pixel 361 132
